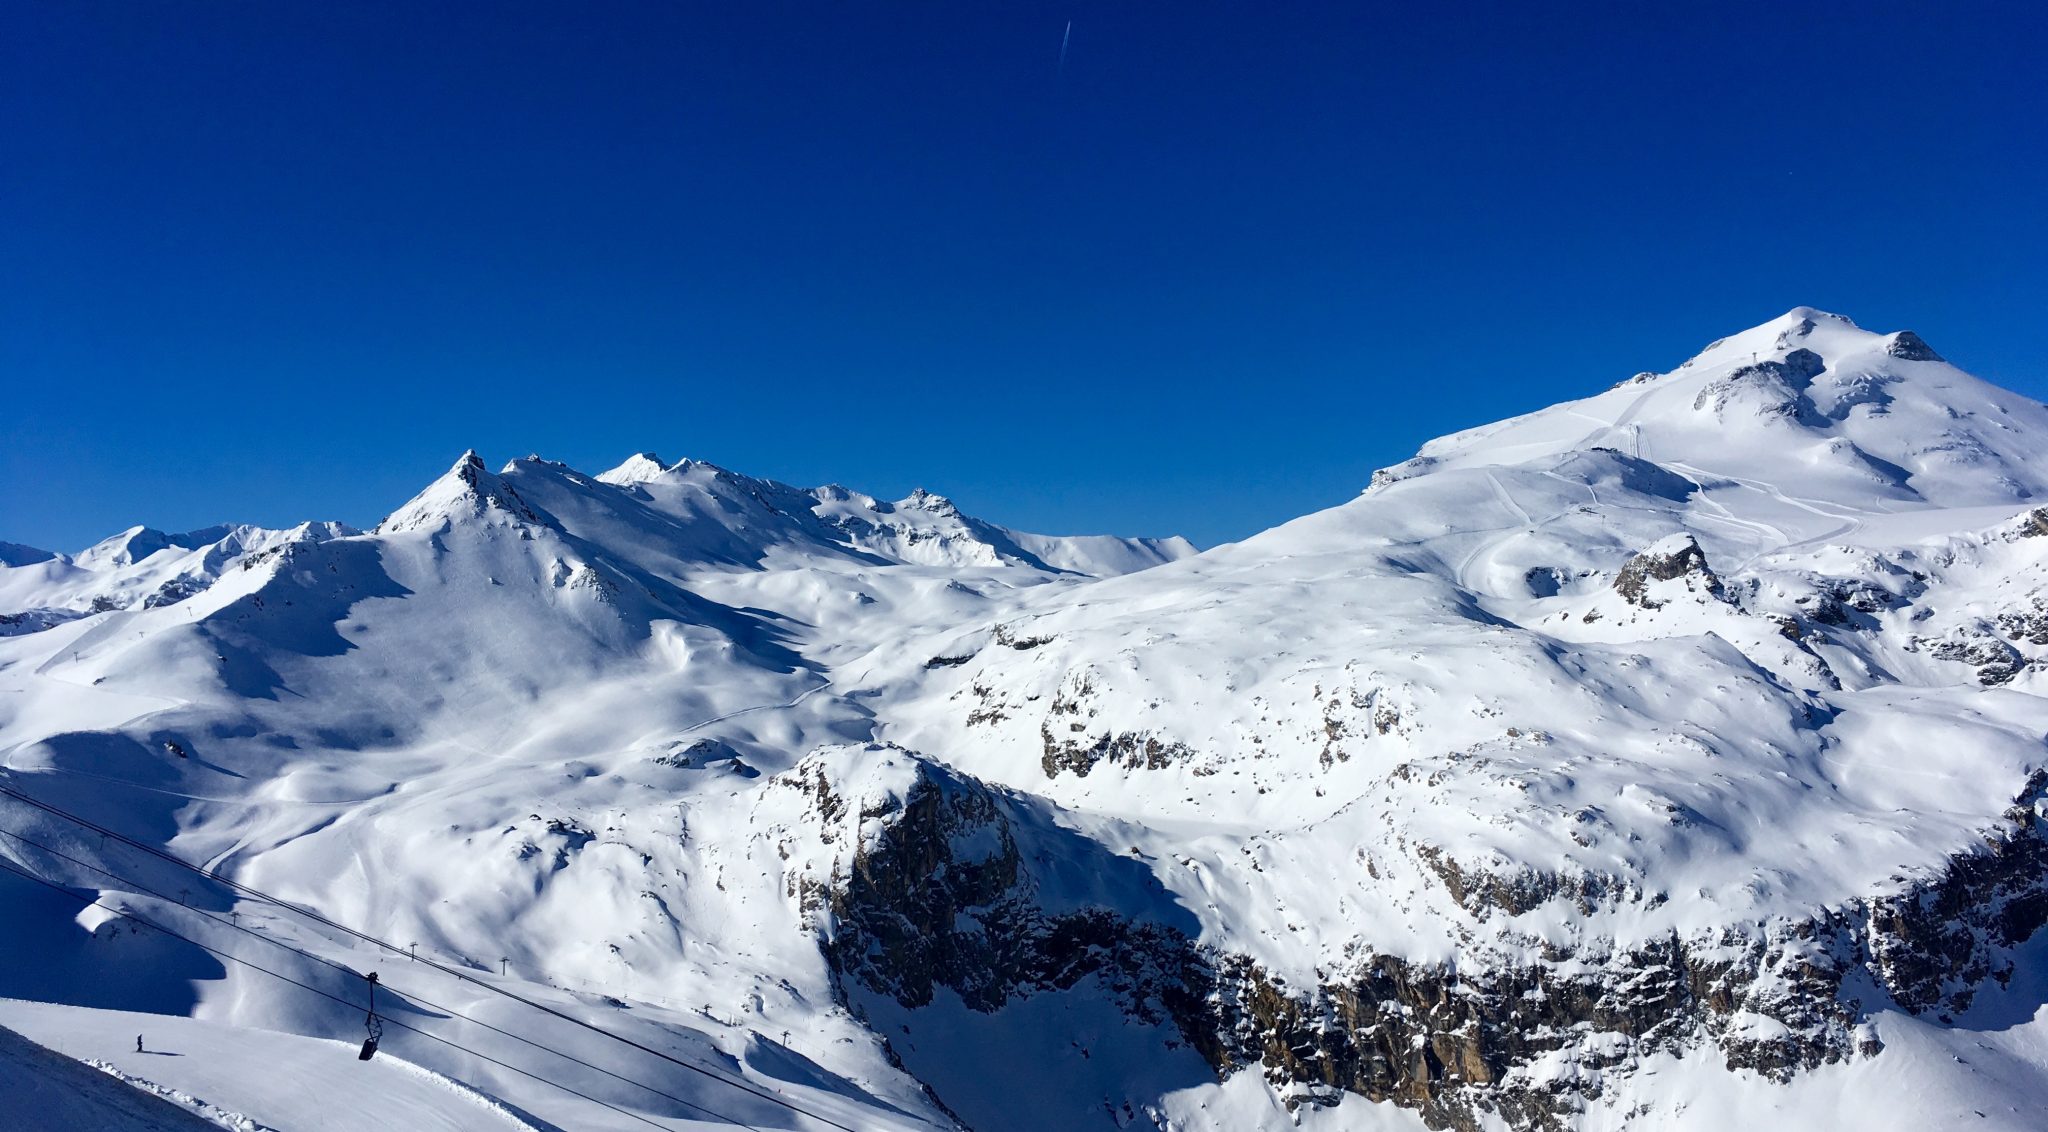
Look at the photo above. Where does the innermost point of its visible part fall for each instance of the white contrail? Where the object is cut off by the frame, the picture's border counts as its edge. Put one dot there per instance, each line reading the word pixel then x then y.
pixel 1064 40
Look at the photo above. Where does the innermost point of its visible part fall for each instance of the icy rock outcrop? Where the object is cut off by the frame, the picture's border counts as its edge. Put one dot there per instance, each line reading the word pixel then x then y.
pixel 1071 743
pixel 917 877
pixel 1772 388
pixel 1910 347
pixel 1996 661
pixel 1676 558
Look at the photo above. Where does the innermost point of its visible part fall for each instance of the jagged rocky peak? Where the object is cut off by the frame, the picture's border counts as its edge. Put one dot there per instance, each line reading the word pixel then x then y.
pixel 467 489
pixel 722 515
pixel 929 502
pixel 1908 346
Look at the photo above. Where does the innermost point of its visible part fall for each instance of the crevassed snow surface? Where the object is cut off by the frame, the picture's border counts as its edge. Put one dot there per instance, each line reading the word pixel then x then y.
pixel 528 721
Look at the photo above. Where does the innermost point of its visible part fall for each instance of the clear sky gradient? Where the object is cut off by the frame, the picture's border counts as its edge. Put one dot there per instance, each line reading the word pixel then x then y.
pixel 285 260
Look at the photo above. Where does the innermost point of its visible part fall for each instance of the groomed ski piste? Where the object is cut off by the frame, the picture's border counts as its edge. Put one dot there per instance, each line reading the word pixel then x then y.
pixel 1669 758
pixel 230 1077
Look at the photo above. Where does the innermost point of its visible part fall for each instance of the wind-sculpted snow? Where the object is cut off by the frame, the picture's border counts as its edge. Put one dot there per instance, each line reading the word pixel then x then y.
pixel 1655 758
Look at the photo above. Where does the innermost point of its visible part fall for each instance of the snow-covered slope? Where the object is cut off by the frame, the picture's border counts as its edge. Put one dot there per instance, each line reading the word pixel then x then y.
pixel 214 1076
pixel 1664 758
pixel 46 1090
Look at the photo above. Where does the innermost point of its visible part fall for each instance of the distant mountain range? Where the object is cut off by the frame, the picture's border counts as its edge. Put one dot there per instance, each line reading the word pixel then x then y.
pixel 1672 757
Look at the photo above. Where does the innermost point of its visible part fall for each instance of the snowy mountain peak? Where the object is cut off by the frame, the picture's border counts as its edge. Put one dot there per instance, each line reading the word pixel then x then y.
pixel 1831 337
pixel 468 488
pixel 136 544
pixel 139 568
pixel 930 502
pixel 1806 328
pixel 1807 402
pixel 637 468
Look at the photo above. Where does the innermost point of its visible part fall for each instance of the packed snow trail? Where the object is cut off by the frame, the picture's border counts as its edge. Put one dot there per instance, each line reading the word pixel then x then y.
pixel 43 1089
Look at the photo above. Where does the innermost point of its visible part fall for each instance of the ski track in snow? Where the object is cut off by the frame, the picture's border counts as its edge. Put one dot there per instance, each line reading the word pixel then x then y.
pixel 807 694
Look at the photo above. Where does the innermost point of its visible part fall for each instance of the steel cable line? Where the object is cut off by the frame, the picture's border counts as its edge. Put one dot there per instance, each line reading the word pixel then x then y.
pixel 137 886
pixel 9 866
pixel 396 950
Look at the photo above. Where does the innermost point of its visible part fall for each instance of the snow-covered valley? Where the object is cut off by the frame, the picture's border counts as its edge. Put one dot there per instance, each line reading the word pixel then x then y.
pixel 1672 757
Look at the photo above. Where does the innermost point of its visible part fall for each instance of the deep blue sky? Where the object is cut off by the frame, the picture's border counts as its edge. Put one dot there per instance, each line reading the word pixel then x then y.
pixel 283 260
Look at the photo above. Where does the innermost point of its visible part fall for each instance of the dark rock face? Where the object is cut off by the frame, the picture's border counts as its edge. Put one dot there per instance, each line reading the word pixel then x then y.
pixel 1447 1043
pixel 1407 469
pixel 1071 745
pixel 1908 346
pixel 1009 639
pixel 1687 561
pixel 1129 749
pixel 34 620
pixel 913 912
pixel 1933 947
pixel 1773 388
pixel 174 591
pixel 2028 623
pixel 1996 661
pixel 940 895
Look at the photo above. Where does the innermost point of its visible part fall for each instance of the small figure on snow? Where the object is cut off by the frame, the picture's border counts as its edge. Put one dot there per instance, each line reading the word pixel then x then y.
pixel 138 1043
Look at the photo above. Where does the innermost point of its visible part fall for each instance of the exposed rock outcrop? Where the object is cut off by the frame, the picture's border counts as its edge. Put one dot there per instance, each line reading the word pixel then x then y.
pixel 917 877
pixel 1675 558
pixel 1908 346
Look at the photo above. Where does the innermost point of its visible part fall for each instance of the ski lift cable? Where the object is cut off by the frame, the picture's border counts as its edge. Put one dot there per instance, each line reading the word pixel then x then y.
pixel 136 886
pixel 9 866
pixel 397 950
pixel 133 885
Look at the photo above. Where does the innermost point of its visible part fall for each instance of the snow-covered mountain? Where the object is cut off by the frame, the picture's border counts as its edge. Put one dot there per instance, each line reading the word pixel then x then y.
pixel 139 566
pixel 772 521
pixel 1670 757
